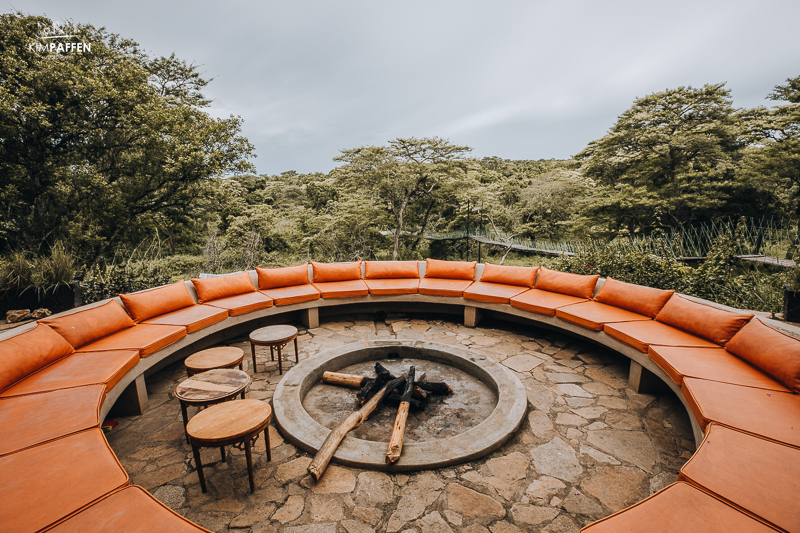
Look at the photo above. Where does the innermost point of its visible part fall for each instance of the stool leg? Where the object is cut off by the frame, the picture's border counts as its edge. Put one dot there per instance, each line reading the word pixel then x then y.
pixel 199 464
pixel 184 407
pixel 280 360
pixel 271 353
pixel 253 351
pixel 222 454
pixel 249 456
pixel 296 356
pixel 266 441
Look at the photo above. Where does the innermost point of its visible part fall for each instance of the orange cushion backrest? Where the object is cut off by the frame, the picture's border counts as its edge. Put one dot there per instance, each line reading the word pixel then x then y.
pixel 450 269
pixel 391 269
pixel 716 325
pixel 643 300
pixel 89 325
pixel 26 353
pixel 336 271
pixel 769 350
pixel 565 283
pixel 271 278
pixel 522 276
pixel 221 286
pixel 158 301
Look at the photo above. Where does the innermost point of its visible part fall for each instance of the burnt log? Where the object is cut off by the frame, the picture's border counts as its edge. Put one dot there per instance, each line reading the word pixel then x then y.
pixel 396 441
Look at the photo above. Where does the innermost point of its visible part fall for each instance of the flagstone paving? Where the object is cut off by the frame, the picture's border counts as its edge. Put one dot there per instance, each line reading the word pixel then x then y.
pixel 589 447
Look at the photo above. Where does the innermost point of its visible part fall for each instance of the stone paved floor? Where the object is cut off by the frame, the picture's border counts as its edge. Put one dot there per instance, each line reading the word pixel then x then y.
pixel 589 447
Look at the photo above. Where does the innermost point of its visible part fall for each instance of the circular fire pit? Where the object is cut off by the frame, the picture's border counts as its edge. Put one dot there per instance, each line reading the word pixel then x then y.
pixel 485 411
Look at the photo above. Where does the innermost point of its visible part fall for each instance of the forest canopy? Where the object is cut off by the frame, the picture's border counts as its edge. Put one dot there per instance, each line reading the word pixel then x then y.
pixel 110 150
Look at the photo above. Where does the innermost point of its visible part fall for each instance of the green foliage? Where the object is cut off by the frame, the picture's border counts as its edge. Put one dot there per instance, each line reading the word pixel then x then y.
pixel 23 270
pixel 115 278
pixel 103 147
pixel 668 161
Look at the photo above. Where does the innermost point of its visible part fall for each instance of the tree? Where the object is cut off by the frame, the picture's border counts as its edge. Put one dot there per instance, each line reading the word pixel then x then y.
pixel 407 176
pixel 99 147
pixel 668 160
pixel 773 136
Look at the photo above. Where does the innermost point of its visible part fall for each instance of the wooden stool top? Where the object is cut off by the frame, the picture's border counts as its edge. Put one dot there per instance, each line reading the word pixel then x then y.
pixel 228 421
pixel 273 334
pixel 219 357
pixel 212 385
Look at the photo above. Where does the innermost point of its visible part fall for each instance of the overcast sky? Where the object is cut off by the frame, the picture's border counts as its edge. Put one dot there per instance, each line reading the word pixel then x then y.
pixel 517 80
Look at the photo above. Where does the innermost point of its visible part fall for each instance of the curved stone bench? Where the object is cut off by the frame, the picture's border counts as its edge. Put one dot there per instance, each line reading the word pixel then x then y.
pixel 49 453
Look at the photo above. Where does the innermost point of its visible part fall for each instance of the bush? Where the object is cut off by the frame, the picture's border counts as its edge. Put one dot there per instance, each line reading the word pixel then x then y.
pixel 114 279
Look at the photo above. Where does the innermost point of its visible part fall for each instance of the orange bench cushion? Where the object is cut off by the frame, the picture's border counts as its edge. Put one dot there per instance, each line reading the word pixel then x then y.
pixel 36 418
pixel 509 275
pixel 242 303
pixel 159 301
pixel 146 338
pixel 435 268
pixel 193 318
pixel 443 286
pixel 716 325
pixel 87 326
pixel 223 286
pixel 679 508
pixel 543 302
pixel 770 414
pixel 292 295
pixel 390 286
pixel 342 289
pixel 496 293
pixel 642 300
pixel 761 477
pixel 42 485
pixel 643 333
pixel 77 370
pixel 565 283
pixel 593 315
pixel 24 354
pixel 391 269
pixel 129 510
pixel 273 278
pixel 714 364
pixel 327 272
pixel 780 360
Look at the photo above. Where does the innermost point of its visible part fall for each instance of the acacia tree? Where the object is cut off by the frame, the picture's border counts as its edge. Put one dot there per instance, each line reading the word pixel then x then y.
pixel 670 156
pixel 409 174
pixel 96 146
pixel 774 138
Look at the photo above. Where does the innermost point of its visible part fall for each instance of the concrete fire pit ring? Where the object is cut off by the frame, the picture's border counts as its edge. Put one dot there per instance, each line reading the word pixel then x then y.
pixel 298 427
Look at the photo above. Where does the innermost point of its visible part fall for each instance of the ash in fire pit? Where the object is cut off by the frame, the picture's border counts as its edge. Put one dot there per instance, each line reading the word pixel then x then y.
pixel 443 416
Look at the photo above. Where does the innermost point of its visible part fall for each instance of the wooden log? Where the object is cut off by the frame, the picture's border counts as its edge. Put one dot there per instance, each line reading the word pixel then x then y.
pixel 345 380
pixel 435 387
pixel 328 448
pixel 396 442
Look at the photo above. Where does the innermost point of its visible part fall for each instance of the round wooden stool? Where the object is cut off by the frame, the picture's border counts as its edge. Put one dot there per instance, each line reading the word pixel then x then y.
pixel 213 358
pixel 235 423
pixel 208 388
pixel 274 337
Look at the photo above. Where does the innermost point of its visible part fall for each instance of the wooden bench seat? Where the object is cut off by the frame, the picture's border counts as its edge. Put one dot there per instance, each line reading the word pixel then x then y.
pixel 41 486
pixel 147 339
pixel 594 315
pixel 36 418
pixel 760 477
pixel 194 318
pixel 713 364
pixel 129 510
pixel 770 414
pixel 679 508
